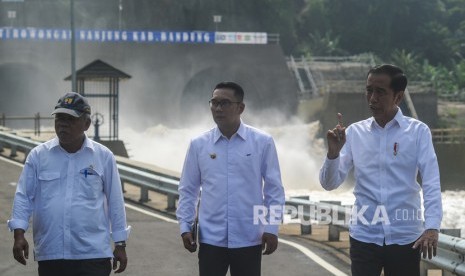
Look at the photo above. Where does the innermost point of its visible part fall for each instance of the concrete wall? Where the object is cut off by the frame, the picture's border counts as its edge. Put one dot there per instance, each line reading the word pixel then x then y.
pixel 353 106
pixel 451 158
pixel 171 83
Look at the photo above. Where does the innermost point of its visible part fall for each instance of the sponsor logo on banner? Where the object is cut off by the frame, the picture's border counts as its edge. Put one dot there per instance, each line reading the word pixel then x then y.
pixel 240 38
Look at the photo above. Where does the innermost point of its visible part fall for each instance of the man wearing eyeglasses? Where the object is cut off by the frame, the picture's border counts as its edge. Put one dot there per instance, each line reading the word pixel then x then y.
pixel 237 168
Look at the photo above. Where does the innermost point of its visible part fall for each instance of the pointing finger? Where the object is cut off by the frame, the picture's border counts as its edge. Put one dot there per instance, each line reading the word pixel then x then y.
pixel 339 119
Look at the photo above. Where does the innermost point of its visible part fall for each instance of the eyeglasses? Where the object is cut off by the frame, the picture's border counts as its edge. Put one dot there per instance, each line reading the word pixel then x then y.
pixel 222 104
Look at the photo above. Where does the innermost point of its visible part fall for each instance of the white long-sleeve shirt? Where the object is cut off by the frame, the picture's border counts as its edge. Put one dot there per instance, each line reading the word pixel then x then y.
pixel 387 195
pixel 236 176
pixel 75 200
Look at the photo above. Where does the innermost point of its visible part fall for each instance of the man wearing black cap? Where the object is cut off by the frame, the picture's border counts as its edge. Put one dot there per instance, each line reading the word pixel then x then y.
pixel 71 187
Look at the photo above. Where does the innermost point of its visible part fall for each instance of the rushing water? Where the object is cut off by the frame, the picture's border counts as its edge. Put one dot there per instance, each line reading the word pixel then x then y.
pixel 300 154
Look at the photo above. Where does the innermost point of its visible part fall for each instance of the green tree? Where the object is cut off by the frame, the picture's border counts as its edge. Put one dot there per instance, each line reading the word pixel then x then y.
pixel 409 62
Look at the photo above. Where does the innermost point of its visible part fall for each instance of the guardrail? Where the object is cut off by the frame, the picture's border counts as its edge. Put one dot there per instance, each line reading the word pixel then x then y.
pixel 450 256
pixel 147 180
pixel 451 250
pixel 323 212
pixel 150 181
pixel 16 143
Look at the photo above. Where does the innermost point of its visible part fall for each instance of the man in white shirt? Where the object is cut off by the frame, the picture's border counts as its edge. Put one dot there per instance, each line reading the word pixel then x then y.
pixel 71 187
pixel 237 167
pixel 386 151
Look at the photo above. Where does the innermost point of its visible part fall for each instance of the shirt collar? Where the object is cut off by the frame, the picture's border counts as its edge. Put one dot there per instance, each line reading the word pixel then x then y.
pixel 399 118
pixel 87 143
pixel 241 132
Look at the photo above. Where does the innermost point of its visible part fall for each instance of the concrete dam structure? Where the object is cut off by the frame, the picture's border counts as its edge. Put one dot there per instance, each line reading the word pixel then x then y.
pixel 170 83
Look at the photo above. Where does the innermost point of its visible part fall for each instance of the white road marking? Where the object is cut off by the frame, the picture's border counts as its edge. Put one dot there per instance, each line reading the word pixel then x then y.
pixel 314 257
pixel 307 252
pixel 11 161
pixel 135 208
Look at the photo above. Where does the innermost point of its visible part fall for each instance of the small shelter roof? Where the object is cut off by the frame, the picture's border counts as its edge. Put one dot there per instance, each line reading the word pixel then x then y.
pixel 97 70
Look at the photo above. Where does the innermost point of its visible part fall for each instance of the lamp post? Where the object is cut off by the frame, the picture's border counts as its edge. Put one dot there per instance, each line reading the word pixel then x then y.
pixel 11 16
pixel 120 11
pixel 216 20
pixel 73 49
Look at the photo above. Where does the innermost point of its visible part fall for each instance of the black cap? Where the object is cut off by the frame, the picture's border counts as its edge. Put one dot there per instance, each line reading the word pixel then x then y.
pixel 73 104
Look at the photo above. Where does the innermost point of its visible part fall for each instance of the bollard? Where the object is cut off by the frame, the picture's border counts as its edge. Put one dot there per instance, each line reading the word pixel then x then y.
pixel 26 153
pixel 144 195
pixel 333 230
pixel 13 151
pixel 122 186
pixel 304 229
pixel 171 203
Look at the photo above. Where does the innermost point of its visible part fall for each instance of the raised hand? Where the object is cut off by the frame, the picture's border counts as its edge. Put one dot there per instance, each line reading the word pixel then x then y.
pixel 336 138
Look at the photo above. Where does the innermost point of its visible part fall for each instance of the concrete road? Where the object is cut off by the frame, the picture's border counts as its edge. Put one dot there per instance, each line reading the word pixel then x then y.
pixel 154 247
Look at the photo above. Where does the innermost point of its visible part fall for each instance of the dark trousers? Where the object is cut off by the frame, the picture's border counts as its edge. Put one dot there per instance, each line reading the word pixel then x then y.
pixel 215 261
pixel 89 267
pixel 397 260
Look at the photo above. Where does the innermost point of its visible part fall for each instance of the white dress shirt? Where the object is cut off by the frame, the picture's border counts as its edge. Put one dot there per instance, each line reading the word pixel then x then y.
pixel 235 175
pixel 75 200
pixel 387 195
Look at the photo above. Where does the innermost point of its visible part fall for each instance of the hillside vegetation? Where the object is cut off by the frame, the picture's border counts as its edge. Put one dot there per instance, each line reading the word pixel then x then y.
pixel 425 37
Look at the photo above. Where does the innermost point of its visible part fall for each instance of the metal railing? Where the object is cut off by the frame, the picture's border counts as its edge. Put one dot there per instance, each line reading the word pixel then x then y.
pixel 448 135
pixel 273 38
pixel 37 118
pixel 451 250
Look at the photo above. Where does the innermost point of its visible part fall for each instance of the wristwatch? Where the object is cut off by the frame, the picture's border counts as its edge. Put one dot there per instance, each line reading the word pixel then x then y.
pixel 120 243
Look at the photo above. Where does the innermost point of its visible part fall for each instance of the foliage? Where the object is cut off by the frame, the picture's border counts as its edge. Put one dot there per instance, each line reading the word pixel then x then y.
pixel 426 37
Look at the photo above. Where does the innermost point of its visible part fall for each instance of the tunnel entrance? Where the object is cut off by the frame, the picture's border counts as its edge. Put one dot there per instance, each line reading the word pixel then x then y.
pixel 26 90
pixel 198 90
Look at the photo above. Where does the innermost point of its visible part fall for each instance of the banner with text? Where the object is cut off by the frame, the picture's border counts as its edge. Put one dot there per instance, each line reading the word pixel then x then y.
pixel 135 36
pixel 109 36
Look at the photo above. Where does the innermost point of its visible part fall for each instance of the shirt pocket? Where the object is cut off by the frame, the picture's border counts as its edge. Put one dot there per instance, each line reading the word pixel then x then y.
pixel 49 183
pixel 90 184
pixel 248 161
